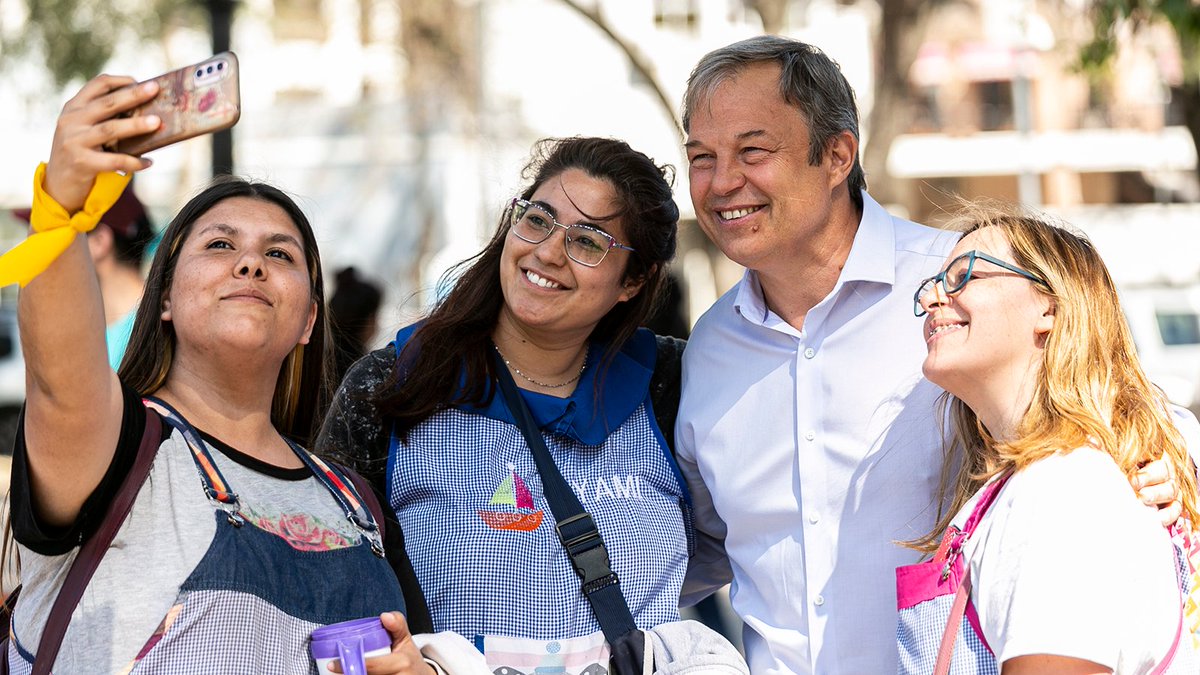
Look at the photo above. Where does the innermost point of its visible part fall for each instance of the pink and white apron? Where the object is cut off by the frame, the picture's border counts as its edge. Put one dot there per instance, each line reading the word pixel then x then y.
pixel 938 629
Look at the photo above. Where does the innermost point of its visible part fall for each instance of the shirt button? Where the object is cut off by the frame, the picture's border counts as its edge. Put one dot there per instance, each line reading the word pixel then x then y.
pixel 809 435
pixel 809 353
pixel 819 600
pixel 814 518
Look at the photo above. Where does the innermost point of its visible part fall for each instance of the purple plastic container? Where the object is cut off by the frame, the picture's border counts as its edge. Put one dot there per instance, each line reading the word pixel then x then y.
pixel 350 641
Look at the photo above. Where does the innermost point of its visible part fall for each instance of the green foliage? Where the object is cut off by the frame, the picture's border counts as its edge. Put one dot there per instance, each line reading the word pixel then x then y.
pixel 1107 15
pixel 76 38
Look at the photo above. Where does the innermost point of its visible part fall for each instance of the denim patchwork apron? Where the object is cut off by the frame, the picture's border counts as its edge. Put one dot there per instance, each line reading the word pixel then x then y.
pixel 252 602
pixel 938 629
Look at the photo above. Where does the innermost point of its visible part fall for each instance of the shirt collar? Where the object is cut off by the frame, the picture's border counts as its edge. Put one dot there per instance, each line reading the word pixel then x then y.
pixel 582 416
pixel 873 253
pixel 872 258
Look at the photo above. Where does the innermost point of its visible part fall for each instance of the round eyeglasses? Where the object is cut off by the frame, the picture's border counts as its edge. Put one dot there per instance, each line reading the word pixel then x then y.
pixel 962 270
pixel 585 245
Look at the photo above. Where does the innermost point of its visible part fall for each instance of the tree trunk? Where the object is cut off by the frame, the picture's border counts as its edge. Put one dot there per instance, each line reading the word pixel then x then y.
pixel 442 88
pixel 1190 94
pixel 773 14
pixel 901 32
pixel 642 65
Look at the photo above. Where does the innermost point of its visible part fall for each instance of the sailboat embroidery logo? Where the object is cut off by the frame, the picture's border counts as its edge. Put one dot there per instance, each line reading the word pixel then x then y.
pixel 514 493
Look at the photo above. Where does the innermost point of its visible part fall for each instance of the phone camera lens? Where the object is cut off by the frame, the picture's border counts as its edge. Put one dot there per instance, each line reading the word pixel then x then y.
pixel 221 66
pixel 199 73
pixel 210 70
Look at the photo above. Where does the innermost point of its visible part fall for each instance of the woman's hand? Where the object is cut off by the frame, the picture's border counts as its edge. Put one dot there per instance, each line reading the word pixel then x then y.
pixel 1156 486
pixel 87 122
pixel 405 658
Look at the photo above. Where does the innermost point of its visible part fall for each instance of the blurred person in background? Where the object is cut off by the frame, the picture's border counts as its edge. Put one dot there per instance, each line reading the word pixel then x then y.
pixel 671 317
pixel 553 303
pixel 352 318
pixel 118 247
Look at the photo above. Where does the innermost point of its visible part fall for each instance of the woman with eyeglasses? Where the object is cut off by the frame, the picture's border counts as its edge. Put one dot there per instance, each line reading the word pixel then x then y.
pixel 1047 561
pixel 554 302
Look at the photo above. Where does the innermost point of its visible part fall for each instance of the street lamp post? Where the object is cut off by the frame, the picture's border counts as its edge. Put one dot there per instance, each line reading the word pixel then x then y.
pixel 220 14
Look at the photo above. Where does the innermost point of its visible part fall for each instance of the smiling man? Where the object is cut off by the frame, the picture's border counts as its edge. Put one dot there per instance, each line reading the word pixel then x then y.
pixel 804 412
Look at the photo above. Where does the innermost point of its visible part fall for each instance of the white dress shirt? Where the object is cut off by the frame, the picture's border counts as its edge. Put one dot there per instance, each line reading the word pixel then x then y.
pixel 820 449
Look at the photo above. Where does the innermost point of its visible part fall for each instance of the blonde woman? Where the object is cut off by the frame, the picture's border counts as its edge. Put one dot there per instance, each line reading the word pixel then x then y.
pixel 1049 562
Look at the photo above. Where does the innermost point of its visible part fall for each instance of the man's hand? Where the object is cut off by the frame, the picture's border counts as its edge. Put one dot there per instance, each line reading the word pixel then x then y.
pixel 1156 486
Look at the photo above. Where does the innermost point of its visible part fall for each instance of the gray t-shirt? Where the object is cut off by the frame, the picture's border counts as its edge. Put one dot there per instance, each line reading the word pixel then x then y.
pixel 169 529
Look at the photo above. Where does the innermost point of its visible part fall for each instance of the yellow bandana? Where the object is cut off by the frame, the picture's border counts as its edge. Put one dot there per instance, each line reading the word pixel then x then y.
pixel 54 228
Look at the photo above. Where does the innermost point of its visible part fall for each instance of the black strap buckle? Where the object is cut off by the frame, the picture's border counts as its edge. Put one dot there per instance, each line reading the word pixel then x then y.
pixel 588 554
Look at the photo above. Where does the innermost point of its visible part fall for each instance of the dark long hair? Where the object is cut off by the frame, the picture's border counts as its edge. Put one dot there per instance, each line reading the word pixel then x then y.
pixel 301 391
pixel 457 333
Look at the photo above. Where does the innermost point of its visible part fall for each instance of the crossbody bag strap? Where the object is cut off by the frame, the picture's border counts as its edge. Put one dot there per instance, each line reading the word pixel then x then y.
pixel 93 550
pixel 576 529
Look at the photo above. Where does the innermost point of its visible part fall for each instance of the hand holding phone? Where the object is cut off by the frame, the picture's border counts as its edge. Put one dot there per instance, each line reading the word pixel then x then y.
pixel 199 99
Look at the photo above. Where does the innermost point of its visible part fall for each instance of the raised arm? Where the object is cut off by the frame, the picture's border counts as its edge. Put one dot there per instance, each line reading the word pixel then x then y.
pixel 73 398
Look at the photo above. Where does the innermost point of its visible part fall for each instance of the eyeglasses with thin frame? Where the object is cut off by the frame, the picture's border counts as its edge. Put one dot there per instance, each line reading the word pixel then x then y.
pixel 962 270
pixel 585 245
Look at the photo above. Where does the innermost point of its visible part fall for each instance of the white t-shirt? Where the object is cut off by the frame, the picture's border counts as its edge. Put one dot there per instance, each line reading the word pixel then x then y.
pixel 1069 562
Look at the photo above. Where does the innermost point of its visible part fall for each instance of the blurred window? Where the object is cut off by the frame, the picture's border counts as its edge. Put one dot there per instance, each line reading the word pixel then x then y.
pixel 1179 328
pixel 677 14
pixel 927 115
pixel 8 333
pixel 1175 113
pixel 299 20
pixel 995 105
pixel 1133 334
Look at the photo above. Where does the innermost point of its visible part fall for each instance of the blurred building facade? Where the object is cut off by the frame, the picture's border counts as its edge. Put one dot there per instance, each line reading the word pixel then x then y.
pixel 1003 111
pixel 403 126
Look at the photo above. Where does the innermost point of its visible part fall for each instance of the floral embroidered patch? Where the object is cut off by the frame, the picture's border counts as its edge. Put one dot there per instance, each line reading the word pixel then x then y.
pixel 301 531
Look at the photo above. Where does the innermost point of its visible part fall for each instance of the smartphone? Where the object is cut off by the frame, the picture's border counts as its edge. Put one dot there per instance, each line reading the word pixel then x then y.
pixel 199 99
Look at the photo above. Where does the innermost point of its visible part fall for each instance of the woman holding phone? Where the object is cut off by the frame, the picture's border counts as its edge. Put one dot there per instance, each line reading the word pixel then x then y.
pixel 1053 563
pixel 240 542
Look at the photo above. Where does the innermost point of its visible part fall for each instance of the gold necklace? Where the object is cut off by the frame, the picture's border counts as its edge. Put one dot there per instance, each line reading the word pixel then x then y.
pixel 533 381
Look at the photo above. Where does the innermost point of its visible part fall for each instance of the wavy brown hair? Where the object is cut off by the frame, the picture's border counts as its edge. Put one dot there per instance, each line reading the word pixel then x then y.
pixel 1090 389
pixel 457 334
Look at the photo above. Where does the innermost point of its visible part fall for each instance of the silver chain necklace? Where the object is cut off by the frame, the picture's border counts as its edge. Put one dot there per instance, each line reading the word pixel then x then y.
pixel 533 381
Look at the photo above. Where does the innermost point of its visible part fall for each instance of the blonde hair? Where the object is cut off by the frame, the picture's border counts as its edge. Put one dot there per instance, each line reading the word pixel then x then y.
pixel 1090 389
